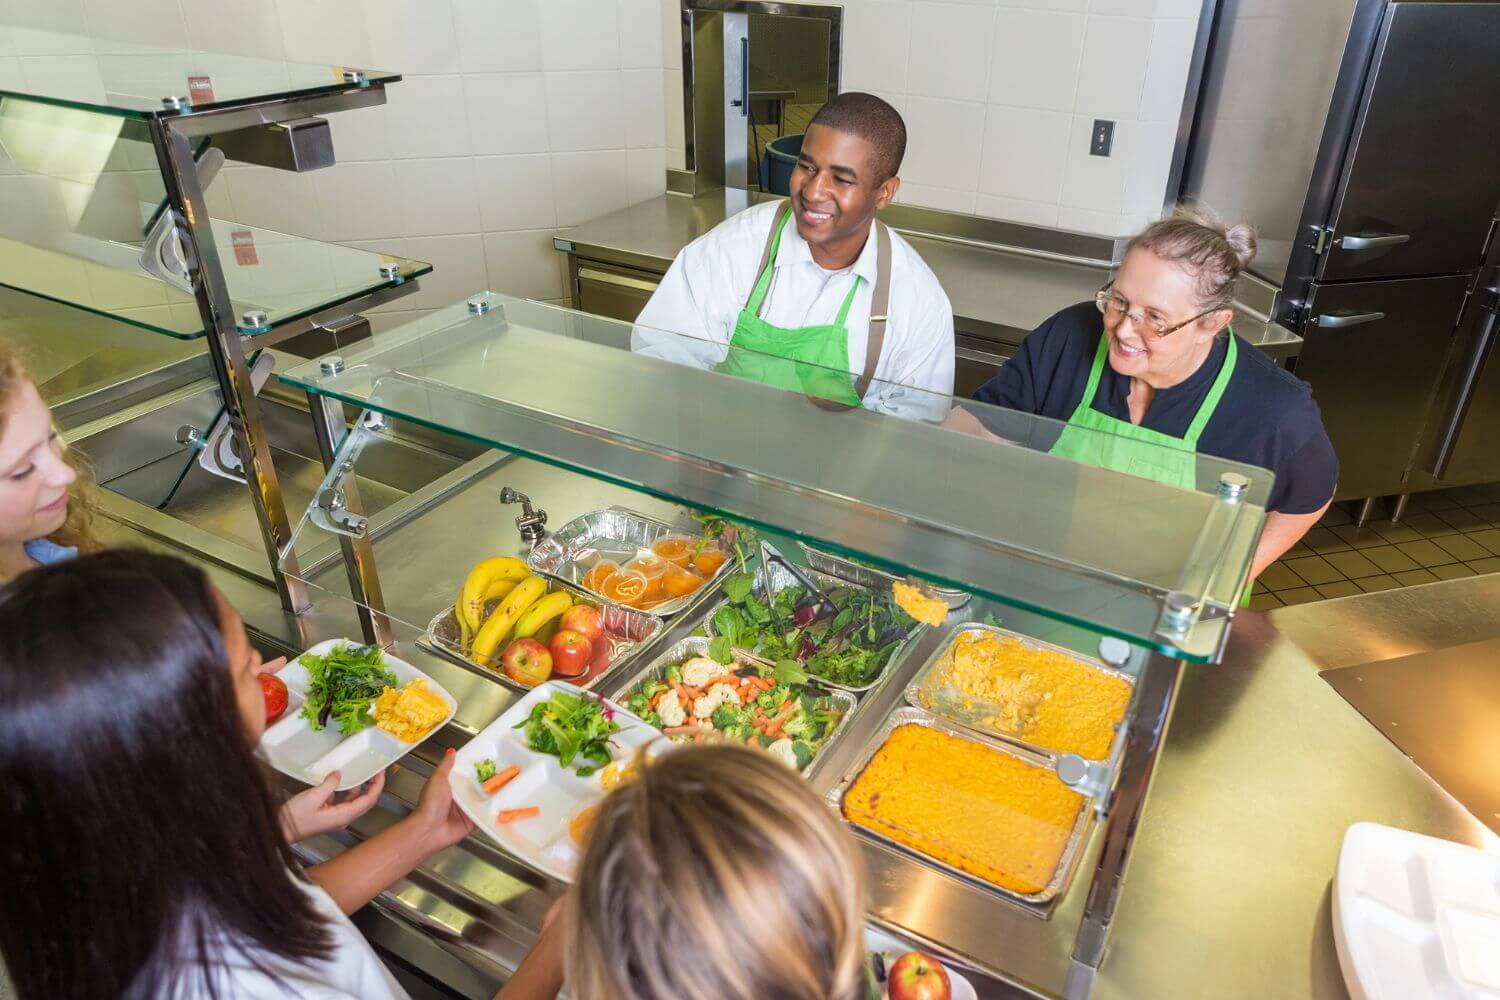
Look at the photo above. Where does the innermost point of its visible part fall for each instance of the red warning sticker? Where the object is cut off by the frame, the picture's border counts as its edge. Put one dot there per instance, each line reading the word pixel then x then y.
pixel 243 241
pixel 200 90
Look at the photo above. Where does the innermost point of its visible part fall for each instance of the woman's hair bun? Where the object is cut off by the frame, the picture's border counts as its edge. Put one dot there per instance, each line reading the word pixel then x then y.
pixel 1241 239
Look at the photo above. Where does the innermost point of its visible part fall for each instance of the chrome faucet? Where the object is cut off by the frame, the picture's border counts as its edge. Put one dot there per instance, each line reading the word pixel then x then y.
pixel 532 520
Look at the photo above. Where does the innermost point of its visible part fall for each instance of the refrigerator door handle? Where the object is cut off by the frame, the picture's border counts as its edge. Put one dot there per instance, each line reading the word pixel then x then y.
pixel 1335 321
pixel 1472 369
pixel 1371 242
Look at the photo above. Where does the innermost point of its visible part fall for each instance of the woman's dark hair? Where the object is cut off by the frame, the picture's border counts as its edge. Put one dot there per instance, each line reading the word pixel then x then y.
pixel 140 834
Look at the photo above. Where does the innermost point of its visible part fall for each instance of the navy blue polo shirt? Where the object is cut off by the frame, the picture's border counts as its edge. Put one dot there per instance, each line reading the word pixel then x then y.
pixel 1266 417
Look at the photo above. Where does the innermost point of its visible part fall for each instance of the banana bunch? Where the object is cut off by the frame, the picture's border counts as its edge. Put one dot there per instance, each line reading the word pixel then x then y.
pixel 524 611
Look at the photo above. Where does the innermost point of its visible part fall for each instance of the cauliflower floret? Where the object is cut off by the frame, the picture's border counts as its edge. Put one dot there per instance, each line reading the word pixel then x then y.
pixel 719 694
pixel 671 710
pixel 700 670
pixel 782 751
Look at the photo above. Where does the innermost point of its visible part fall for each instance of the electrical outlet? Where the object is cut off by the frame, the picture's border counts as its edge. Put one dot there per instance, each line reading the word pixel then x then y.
pixel 1103 137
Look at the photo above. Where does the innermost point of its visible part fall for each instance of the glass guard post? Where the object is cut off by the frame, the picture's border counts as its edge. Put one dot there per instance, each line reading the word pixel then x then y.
pixel 1159 681
pixel 339 497
pixel 174 154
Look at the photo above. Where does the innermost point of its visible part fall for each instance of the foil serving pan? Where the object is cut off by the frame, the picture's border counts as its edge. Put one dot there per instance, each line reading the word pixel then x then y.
pixel 616 534
pixel 1037 903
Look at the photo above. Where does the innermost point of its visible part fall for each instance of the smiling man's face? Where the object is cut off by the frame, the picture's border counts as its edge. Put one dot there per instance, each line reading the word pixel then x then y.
pixel 837 188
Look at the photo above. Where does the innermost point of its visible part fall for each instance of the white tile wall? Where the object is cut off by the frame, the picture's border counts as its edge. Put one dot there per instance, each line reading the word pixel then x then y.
pixel 950 46
pixel 1000 97
pixel 513 117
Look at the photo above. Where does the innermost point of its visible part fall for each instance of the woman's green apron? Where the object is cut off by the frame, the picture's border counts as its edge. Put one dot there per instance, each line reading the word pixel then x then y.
pixel 811 359
pixel 1140 451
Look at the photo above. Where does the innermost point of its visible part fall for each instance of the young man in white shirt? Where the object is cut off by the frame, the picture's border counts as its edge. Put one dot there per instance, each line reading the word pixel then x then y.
pixel 813 295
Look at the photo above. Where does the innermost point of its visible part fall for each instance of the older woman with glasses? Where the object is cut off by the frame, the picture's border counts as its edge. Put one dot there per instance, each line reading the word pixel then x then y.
pixel 1153 362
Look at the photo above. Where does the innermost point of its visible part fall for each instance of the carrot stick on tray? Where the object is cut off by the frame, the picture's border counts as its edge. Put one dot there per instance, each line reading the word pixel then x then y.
pixel 500 779
pixel 511 815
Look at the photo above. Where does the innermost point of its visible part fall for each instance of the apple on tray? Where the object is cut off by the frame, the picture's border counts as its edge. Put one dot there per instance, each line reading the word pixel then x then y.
pixel 274 691
pixel 917 976
pixel 527 662
pixel 584 619
pixel 571 652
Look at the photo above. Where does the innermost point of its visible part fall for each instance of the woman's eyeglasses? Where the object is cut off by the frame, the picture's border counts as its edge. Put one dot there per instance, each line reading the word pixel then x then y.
pixel 1116 307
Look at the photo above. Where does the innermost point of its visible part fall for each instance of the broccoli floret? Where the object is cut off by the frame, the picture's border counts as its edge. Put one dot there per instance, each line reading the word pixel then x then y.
pixel 652 719
pixel 742 732
pixel 799 727
pixel 638 704
pixel 803 752
pixel 674 674
pixel 651 688
pixel 484 770
pixel 770 701
pixel 725 717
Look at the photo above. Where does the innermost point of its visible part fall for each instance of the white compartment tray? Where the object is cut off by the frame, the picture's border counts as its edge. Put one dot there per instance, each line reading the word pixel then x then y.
pixel 293 747
pixel 1415 916
pixel 541 842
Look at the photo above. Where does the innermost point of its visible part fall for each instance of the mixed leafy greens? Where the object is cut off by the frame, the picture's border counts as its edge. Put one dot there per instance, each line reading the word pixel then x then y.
pixel 737 538
pixel 746 703
pixel 847 639
pixel 571 727
pixel 343 684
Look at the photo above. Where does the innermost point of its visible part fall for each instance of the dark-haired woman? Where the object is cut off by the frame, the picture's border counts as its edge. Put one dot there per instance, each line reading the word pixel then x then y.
pixel 143 855
pixel 44 519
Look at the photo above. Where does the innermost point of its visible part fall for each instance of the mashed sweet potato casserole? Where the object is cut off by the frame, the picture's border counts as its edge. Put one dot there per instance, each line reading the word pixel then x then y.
pixel 967 805
pixel 1044 697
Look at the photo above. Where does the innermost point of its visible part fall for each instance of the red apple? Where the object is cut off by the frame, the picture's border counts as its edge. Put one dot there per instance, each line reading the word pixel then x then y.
pixel 916 976
pixel 586 619
pixel 571 652
pixel 527 662
pixel 274 691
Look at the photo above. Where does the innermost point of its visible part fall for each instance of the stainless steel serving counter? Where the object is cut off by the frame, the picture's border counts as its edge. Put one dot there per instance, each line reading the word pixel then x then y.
pixel 998 294
pixel 1264 768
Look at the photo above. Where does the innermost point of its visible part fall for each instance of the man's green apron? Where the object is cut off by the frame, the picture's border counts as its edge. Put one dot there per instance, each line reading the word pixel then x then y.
pixel 1140 451
pixel 811 359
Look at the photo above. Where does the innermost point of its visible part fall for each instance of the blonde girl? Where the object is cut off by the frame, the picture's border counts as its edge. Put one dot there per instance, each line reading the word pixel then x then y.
pixel 44 514
pixel 716 873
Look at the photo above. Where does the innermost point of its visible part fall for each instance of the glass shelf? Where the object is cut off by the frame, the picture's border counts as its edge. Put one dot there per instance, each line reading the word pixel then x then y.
pixel 990 513
pixel 131 80
pixel 286 277
pixel 81 192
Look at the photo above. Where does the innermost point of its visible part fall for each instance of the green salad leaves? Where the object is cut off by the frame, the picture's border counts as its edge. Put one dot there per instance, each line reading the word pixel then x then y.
pixel 848 643
pixel 343 684
pixel 570 727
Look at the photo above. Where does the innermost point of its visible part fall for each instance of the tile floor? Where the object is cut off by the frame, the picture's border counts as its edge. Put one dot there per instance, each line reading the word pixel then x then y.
pixel 1443 536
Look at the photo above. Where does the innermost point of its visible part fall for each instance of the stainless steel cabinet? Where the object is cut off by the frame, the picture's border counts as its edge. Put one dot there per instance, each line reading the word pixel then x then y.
pixel 1376 348
pixel 610 289
pixel 1422 175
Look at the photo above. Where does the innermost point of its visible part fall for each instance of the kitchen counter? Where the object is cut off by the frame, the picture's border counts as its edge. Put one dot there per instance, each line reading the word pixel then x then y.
pixel 1263 769
pixel 998 294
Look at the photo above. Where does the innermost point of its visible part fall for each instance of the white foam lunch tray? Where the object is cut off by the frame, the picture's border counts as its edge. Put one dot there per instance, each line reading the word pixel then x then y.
pixel 541 842
pixel 1415 916
pixel 294 748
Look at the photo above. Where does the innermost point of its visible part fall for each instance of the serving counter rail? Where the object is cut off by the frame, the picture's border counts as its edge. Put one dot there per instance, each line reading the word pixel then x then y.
pixel 1142 576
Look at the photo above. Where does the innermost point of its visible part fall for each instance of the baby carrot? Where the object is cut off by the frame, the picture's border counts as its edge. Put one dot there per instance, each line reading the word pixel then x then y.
pixel 500 779
pixel 510 815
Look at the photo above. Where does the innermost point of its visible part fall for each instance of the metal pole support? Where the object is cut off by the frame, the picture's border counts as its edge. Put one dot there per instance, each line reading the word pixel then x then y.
pixel 226 351
pixel 1159 683
pixel 329 430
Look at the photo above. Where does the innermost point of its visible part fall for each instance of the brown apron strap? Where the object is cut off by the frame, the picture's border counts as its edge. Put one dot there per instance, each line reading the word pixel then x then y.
pixel 879 304
pixel 765 255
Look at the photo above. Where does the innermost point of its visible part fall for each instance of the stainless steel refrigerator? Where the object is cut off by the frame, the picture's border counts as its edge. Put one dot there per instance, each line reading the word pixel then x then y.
pixel 1362 138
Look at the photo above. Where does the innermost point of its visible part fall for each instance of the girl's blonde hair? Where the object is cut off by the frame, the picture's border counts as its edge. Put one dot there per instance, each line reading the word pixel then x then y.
pixel 1193 237
pixel 77 530
pixel 717 873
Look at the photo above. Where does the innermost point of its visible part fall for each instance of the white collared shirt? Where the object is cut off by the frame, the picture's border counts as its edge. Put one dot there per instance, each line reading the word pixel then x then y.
pixel 711 280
